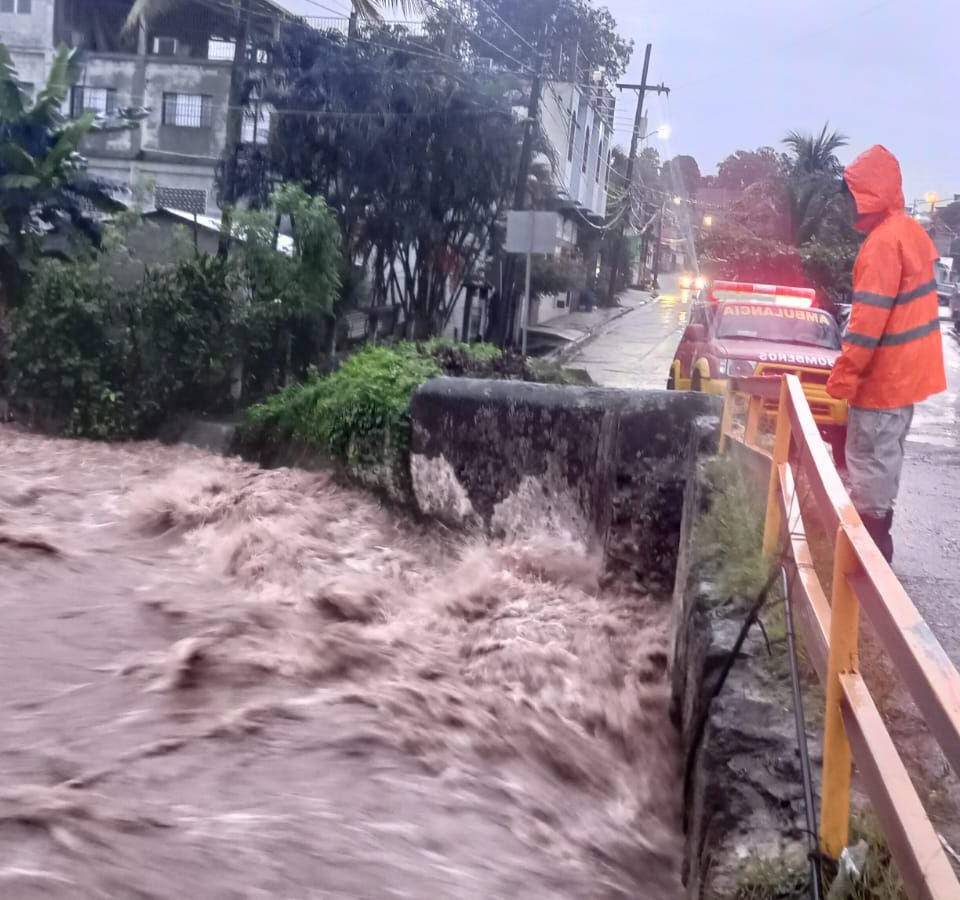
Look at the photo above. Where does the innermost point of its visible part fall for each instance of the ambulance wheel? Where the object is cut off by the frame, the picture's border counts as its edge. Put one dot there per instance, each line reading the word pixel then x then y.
pixel 696 384
pixel 671 381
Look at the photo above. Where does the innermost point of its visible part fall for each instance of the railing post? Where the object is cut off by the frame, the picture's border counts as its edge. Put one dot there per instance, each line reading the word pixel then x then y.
pixel 843 657
pixel 781 452
pixel 754 412
pixel 726 418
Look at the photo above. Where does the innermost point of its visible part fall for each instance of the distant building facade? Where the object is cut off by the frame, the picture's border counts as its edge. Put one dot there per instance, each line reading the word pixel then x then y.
pixel 178 68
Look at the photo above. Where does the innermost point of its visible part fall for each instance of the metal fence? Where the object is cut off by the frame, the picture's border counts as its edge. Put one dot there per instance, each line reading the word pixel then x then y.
pixel 833 581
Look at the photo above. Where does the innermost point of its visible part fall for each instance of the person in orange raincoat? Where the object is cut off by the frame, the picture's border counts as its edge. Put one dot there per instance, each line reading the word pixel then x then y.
pixel 892 353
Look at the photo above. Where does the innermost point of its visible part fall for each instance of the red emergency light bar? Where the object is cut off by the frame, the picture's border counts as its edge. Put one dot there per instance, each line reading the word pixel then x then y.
pixel 792 296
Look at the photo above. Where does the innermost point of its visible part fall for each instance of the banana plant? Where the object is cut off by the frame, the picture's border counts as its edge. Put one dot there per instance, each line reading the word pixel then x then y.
pixel 44 183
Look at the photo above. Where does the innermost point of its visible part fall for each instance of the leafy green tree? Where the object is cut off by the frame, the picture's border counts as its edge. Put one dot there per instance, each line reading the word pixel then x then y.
pixel 415 156
pixel 576 36
pixel 792 222
pixel 291 296
pixel 746 167
pixel 44 183
pixel 682 174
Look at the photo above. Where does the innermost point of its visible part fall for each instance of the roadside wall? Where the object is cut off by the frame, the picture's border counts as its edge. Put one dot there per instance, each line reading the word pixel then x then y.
pixel 743 795
pixel 602 463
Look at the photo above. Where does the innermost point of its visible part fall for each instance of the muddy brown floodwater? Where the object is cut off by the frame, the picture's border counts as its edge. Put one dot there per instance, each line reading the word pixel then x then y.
pixel 218 681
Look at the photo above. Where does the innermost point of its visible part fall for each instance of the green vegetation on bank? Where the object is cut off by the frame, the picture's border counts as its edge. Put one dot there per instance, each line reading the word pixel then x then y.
pixel 731 532
pixel 780 879
pixel 360 414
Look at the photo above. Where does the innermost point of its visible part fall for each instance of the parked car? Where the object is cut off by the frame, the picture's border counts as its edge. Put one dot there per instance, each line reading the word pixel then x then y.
pixel 748 330
pixel 948 279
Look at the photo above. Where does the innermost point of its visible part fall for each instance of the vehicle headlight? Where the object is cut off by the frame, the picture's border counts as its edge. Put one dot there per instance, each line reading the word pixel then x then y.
pixel 699 282
pixel 685 282
pixel 737 368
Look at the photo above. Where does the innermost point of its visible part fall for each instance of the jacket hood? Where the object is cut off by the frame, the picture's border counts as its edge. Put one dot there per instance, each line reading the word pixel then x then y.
pixel 874 180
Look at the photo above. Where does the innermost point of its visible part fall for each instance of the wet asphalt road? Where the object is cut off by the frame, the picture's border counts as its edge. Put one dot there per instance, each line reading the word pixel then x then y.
pixel 635 351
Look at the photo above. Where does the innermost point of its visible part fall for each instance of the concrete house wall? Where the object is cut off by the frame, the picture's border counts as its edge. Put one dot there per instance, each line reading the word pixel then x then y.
pixel 29 37
pixel 158 156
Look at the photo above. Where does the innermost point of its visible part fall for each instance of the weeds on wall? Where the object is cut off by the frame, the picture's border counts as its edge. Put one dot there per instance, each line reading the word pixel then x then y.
pixel 731 532
pixel 782 879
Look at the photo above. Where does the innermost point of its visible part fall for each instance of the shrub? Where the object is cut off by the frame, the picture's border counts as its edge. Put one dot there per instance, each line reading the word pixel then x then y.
pixel 360 414
pixel 96 362
pixel 353 415
pixel 69 352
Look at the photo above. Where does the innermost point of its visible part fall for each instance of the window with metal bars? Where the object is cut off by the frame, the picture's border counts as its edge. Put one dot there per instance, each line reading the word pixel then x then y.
pixel 600 157
pixel 573 133
pixel 187 110
pixel 586 150
pixel 100 100
pixel 221 49
pixel 24 7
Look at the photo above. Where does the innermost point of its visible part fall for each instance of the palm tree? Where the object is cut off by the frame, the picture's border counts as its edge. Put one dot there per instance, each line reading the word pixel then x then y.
pixel 43 179
pixel 813 183
pixel 816 154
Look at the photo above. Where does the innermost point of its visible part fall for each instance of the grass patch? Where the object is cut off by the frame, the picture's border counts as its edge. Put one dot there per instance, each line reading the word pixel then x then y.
pixel 881 880
pixel 781 879
pixel 773 879
pixel 731 532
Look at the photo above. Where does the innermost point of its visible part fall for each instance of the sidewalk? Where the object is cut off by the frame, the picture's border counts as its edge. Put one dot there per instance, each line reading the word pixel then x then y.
pixel 573 329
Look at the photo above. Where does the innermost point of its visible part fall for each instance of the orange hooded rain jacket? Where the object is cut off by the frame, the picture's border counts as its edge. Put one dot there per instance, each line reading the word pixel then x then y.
pixel 892 354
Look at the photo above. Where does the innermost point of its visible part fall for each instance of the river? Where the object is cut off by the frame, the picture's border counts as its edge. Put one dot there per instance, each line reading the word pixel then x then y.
pixel 220 681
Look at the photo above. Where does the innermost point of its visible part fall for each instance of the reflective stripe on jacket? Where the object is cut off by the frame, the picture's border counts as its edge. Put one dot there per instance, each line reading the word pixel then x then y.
pixel 892 352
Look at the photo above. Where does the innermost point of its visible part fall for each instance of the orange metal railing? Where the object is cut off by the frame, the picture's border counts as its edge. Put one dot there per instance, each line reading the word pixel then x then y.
pixel 828 620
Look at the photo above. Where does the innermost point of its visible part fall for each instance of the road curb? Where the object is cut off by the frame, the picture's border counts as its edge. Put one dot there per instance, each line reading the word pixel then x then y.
pixel 562 353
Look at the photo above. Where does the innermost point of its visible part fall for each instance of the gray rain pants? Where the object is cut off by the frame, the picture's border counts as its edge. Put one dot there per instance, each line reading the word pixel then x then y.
pixel 875 443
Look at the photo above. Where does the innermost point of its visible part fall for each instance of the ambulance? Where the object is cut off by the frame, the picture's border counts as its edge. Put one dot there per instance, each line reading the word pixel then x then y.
pixel 745 329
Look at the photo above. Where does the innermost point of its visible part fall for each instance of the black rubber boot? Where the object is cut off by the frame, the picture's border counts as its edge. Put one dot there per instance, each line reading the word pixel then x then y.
pixel 879 529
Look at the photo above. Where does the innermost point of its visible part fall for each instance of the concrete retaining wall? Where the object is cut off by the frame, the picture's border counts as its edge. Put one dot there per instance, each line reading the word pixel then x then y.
pixel 743 799
pixel 598 462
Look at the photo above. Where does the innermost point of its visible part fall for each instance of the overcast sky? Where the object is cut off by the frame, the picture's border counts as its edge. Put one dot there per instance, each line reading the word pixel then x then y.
pixel 743 72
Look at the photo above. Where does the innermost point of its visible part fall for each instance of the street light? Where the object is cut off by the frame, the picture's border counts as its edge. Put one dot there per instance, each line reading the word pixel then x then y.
pixel 707 221
pixel 677 200
pixel 931 197
pixel 661 131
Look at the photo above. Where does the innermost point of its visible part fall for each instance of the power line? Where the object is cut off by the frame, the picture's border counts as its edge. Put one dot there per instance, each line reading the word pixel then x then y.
pixel 508 25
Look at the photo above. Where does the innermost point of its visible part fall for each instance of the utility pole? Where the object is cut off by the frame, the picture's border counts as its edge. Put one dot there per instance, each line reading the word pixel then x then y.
pixel 238 77
pixel 508 300
pixel 641 90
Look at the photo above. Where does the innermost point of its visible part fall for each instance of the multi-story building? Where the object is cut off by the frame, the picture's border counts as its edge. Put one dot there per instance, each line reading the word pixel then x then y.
pixel 577 121
pixel 177 68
